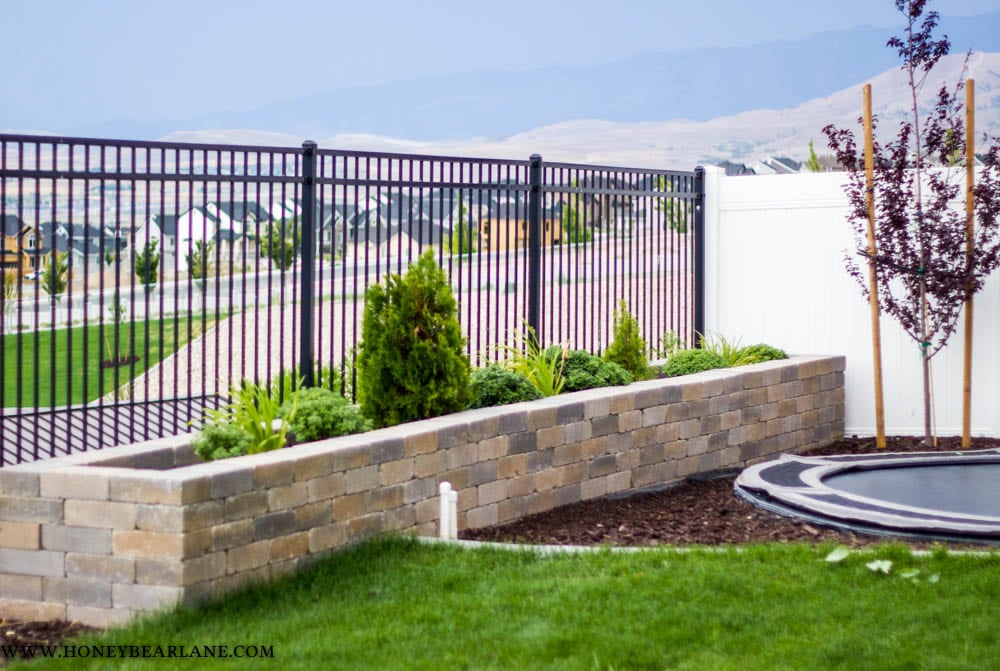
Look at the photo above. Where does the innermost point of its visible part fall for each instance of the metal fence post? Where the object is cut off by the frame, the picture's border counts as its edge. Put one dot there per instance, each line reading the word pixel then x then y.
pixel 308 228
pixel 535 246
pixel 699 253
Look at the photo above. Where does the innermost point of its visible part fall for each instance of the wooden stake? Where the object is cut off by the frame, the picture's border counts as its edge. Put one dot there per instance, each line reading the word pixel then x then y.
pixel 872 278
pixel 970 233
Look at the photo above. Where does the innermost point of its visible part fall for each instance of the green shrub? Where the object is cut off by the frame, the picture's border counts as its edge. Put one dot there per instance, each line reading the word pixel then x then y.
pixel 495 385
pixel 732 353
pixel 218 441
pixel 412 363
pixel 670 342
pixel 322 413
pixel 692 361
pixel 761 352
pixel 627 348
pixel 544 372
pixel 583 370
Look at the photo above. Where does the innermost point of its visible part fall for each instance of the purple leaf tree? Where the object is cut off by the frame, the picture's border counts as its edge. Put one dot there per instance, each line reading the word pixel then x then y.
pixel 924 274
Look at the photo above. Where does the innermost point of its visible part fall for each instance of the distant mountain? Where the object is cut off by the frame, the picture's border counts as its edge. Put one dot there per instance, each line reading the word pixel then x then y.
pixel 683 144
pixel 698 85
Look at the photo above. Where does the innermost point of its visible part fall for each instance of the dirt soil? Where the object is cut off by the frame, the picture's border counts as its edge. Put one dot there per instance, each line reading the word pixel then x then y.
pixel 696 511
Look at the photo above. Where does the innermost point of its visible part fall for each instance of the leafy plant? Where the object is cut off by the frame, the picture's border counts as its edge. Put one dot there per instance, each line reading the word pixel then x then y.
pixel 199 260
pixel 462 239
pixel 541 369
pixel 923 272
pixel 495 385
pixel 583 370
pixel 813 164
pixel 146 265
pixel 761 352
pixel 318 413
pixel 221 440
pixel 54 273
pixel 279 244
pixel 574 229
pixel 254 412
pixel 689 361
pixel 412 363
pixel 627 348
pixel 675 212
pixel 670 342
pixel 117 312
pixel 8 292
pixel 731 353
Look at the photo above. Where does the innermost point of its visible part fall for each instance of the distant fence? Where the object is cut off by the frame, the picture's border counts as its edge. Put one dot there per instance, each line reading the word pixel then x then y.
pixel 147 277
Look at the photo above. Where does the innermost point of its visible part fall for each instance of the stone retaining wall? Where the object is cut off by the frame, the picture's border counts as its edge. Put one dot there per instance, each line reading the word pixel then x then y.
pixel 101 537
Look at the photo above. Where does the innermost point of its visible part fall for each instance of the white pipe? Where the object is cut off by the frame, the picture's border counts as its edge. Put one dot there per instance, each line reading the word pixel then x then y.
pixel 453 515
pixel 445 515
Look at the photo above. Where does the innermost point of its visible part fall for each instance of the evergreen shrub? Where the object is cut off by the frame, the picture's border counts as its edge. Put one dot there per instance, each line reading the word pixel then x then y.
pixel 495 385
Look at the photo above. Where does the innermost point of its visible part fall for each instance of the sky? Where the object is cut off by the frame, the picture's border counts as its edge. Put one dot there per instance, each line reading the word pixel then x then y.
pixel 68 63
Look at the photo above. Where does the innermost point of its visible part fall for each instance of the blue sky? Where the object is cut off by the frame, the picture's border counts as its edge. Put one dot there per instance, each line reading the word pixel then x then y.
pixel 74 62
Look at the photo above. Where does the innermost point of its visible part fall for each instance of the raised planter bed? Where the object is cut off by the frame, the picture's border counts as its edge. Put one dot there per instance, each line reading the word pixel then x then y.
pixel 104 536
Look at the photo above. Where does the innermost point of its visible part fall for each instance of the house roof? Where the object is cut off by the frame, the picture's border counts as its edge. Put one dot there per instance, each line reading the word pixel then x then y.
pixel 12 224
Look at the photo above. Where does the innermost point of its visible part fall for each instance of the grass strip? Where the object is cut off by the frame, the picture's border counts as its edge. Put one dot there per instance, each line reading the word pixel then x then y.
pixel 398 604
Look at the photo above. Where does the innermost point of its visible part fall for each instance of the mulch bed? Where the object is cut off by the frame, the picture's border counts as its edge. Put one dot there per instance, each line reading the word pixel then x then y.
pixel 694 512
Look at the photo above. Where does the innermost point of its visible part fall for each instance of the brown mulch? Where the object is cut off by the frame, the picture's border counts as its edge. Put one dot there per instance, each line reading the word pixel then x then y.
pixel 694 512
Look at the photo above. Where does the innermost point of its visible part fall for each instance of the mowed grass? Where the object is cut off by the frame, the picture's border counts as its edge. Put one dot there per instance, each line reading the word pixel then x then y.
pixel 67 362
pixel 396 604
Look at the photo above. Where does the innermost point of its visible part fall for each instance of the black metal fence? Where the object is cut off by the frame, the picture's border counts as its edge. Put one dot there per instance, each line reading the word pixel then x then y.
pixel 142 279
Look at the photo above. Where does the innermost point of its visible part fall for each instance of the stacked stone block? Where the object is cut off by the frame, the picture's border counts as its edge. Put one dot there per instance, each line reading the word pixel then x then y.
pixel 101 537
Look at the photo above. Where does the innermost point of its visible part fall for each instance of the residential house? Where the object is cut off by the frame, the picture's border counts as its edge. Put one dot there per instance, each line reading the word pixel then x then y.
pixel 20 245
pixel 505 227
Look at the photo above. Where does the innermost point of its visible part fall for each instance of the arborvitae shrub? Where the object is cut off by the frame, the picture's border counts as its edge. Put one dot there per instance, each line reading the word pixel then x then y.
pixel 495 385
pixel 627 348
pixel 692 361
pixel 583 370
pixel 760 353
pixel 322 413
pixel 412 363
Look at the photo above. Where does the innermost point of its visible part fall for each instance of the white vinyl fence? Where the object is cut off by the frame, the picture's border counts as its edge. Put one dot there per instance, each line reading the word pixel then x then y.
pixel 775 248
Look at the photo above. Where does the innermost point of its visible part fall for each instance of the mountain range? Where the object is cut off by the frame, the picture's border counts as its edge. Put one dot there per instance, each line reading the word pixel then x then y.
pixel 670 109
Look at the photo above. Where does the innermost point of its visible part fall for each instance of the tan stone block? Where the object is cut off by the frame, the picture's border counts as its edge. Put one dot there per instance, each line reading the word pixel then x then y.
pixel 567 454
pixel 427 511
pixel 466 499
pixel 147 544
pixel 79 483
pixel 619 482
pixel 593 488
pixel 76 591
pixel 366 526
pixel 730 420
pixel 287 496
pixel 232 534
pixel 313 515
pixel 246 505
pixel 521 485
pixel 571 474
pixel 593 448
pixel 632 419
pixel 492 492
pixel 326 487
pixel 30 510
pixel 490 449
pixel 737 435
pixel 622 402
pixel 158 490
pixel 31 611
pixel 540 418
pixel 385 498
pixel 512 466
pixel 597 407
pixel 552 436
pixel 395 472
pixel 64 538
pixel 459 478
pixel 692 391
pixel 19 483
pixel 361 479
pixel 145 597
pixel 315 466
pixel 787 408
pixel 102 618
pixel 463 455
pixel 100 514
pixel 418 490
pixel 509 510
pixel 687 466
pixel 482 517
pixel 108 568
pixel 24 587
pixel 327 537
pixel 20 535
pixel 248 557
pixel 421 443
pixel 577 432
pixel 655 415
pixel 350 506
pixel 429 465
pixel 274 474
pixel 159 518
pixel 675 450
pixel 350 458
pixel 756 431
pixel 290 547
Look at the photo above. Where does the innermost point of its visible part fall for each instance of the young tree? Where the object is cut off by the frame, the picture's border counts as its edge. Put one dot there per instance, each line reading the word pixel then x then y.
pixel 574 229
pixel 923 272
pixel 813 164
pixel 8 295
pixel 54 274
pixel 279 244
pixel 199 261
pixel 147 265
pixel 462 239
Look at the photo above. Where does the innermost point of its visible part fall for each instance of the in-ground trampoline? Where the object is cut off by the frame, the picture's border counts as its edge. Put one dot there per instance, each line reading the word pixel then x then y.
pixel 952 496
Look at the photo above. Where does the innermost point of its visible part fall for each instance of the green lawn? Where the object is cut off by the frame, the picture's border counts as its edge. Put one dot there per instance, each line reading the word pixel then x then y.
pixel 67 361
pixel 397 604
